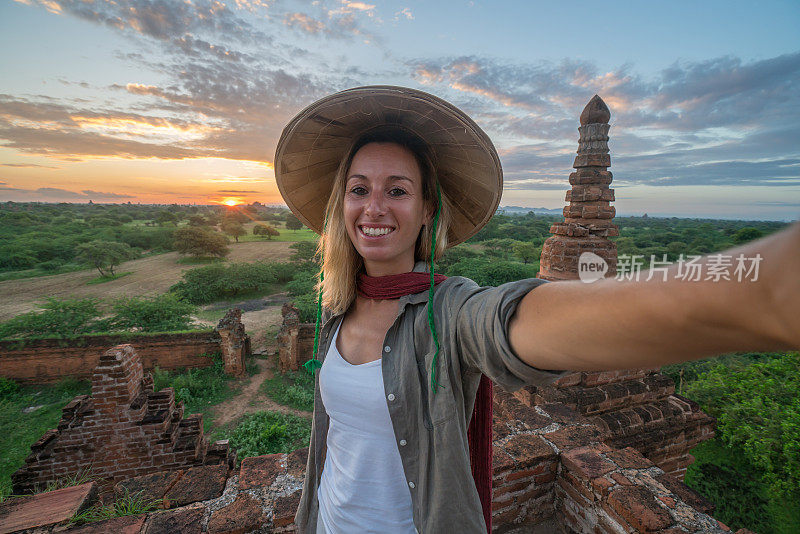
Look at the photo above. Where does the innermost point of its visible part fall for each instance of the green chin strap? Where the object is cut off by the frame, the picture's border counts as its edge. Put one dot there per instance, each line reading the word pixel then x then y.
pixel 434 383
pixel 313 364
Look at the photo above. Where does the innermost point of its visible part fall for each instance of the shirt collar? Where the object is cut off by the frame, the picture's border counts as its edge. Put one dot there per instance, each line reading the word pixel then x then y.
pixel 422 296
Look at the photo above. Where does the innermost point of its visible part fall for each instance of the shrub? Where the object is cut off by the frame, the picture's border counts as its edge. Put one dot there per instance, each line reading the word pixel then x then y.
pixel 198 388
pixel 487 272
pixel 162 313
pixel 216 282
pixel 58 318
pixel 295 389
pixel 8 388
pixel 268 432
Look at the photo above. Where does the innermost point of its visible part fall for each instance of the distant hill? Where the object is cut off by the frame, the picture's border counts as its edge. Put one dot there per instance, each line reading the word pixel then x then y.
pixel 513 210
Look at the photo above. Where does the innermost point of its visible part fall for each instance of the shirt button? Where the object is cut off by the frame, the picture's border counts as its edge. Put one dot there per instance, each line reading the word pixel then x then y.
pixel 390 396
pixel 411 485
pixel 387 349
pixel 403 443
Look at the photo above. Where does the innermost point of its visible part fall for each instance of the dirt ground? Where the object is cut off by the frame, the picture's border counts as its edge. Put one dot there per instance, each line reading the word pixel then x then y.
pixel 261 326
pixel 151 276
pixel 251 400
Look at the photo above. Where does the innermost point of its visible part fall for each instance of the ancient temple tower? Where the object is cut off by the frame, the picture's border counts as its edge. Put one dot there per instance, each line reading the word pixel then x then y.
pixel 587 219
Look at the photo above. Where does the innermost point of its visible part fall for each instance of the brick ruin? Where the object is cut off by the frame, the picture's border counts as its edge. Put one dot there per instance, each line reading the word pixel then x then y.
pixel 596 452
pixel 587 219
pixel 295 340
pixel 49 360
pixel 122 430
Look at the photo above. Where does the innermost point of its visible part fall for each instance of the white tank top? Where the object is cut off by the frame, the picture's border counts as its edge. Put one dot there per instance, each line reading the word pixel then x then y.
pixel 363 487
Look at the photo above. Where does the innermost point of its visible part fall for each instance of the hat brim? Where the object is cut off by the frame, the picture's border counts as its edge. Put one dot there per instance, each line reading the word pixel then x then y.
pixel 314 143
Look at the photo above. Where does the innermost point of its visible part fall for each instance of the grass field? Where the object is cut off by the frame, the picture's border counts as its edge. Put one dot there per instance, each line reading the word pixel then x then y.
pixel 152 275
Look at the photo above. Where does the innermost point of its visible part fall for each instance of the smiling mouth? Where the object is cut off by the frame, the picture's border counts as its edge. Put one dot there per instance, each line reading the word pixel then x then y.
pixel 371 231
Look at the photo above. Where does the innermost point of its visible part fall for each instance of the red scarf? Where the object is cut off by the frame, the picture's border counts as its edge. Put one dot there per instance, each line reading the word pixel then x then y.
pixel 479 434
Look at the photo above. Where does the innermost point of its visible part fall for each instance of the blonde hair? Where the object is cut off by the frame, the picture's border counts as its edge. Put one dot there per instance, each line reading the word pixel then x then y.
pixel 341 262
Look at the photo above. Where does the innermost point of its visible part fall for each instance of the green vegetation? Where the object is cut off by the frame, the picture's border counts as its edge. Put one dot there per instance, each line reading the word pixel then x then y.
pixel 200 388
pixel 751 469
pixel 266 230
pixel 267 433
pixel 73 317
pixel 27 412
pixel 234 280
pixel 39 239
pixel 200 242
pixel 295 389
pixel 58 318
pixel 128 504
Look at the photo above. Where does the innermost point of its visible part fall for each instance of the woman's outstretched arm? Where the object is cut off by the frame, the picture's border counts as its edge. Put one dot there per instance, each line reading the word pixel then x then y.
pixel 611 324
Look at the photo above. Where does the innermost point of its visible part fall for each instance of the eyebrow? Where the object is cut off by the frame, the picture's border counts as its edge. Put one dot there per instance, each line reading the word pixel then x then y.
pixel 394 177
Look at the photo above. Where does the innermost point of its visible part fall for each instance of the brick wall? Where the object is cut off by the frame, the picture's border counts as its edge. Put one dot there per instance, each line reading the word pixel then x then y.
pixel 48 360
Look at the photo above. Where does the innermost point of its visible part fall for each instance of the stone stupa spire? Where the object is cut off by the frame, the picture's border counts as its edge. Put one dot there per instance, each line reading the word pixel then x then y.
pixel 588 217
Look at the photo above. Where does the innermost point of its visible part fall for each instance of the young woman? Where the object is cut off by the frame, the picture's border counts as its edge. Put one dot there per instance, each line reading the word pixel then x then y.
pixel 390 177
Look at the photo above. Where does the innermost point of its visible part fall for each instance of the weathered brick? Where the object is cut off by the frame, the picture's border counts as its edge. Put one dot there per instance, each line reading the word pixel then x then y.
pixel 186 520
pixel 259 471
pixel 528 450
pixel 638 506
pixel 284 509
pixel 198 484
pixel 132 524
pixel 629 458
pixel 242 515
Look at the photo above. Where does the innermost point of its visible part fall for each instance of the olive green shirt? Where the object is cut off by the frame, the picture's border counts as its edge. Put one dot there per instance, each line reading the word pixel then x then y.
pixel 431 430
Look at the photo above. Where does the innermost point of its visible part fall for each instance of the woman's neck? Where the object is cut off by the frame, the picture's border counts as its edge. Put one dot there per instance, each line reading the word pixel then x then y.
pixel 384 269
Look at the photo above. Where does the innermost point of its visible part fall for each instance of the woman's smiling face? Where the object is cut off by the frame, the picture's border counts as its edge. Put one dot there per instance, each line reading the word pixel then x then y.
pixel 383 207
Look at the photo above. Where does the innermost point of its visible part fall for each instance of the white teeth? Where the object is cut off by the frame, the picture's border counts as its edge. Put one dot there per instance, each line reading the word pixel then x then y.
pixel 375 231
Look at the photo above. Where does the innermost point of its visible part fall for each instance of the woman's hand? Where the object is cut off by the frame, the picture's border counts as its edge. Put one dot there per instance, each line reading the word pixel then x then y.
pixel 612 324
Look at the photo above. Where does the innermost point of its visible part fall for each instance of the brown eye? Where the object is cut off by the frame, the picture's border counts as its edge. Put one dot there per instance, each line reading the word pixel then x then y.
pixel 359 190
pixel 397 192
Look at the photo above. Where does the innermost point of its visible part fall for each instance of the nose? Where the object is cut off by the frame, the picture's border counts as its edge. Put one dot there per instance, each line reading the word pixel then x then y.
pixel 375 206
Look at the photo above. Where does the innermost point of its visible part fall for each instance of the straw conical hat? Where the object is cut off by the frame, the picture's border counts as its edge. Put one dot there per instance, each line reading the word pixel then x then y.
pixel 314 143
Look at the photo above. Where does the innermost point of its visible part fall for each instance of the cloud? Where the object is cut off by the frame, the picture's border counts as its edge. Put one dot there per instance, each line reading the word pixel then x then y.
pixel 722 121
pixel 27 165
pixel 55 194
pixel 405 12
pixel 304 22
pixel 238 192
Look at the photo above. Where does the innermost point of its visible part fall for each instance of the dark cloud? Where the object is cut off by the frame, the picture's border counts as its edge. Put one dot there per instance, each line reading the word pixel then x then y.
pixel 90 193
pixel 160 19
pixel 55 193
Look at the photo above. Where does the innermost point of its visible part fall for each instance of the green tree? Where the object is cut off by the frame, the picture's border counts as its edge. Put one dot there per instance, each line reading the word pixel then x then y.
pixel 105 255
pixel 234 229
pixel 757 412
pixel 292 222
pixel 166 217
pixel 265 229
pixel 526 251
pixel 200 242
pixel 746 234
